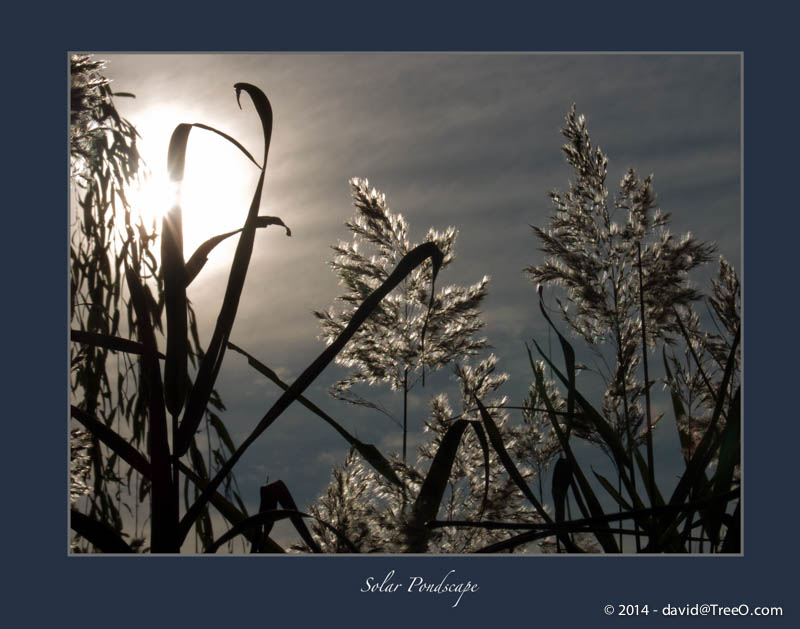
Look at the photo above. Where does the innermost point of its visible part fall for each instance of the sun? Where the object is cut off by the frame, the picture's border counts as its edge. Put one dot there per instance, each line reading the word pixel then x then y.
pixel 216 190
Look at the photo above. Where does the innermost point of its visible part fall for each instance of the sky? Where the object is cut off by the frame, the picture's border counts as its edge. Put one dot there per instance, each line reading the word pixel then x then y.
pixel 469 140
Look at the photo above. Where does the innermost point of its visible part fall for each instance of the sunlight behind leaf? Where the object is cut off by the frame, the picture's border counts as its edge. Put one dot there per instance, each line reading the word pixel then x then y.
pixel 212 196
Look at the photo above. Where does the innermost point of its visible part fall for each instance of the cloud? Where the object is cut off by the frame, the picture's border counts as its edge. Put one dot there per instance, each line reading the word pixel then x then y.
pixel 469 140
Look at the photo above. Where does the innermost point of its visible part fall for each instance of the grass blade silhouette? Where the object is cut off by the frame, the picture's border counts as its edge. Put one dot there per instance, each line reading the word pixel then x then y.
pixel 174 270
pixel 410 261
pixel 433 487
pixel 103 537
pixel 110 438
pixel 212 361
pixel 199 258
pixel 164 511
pixel 108 341
pixel 367 450
pixel 259 519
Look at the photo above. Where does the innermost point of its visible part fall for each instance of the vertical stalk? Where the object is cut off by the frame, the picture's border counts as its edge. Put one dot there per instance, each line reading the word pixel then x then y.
pixel 119 475
pixel 627 419
pixel 541 489
pixel 136 505
pixel 175 477
pixel 651 473
pixel 619 489
pixel 405 411
pixel 164 509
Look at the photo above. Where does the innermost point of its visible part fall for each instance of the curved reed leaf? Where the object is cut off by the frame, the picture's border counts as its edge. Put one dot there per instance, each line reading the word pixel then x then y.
pixel 176 154
pixel 266 221
pixel 276 494
pixel 174 271
pixel 269 502
pixel 186 127
pixel 230 139
pixel 212 361
pixel 178 275
pixel 410 261
pixel 199 258
pixel 433 487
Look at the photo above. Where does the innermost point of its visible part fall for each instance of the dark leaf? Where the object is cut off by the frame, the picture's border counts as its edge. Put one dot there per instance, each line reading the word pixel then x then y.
pixel 370 453
pixel 603 536
pixel 266 221
pixel 102 537
pixel 496 439
pixel 562 478
pixel 729 451
pixel 228 510
pixel 164 512
pixel 695 469
pixel 733 537
pixel 430 494
pixel 199 258
pixel 613 492
pixel 410 261
pixel 108 342
pixel 606 432
pixel 222 431
pixel 212 361
pixel 678 409
pixel 117 444
pixel 259 519
pixel 481 434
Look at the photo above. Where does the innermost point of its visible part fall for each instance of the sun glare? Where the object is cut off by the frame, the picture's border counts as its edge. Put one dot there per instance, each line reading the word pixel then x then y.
pixel 216 190
pixel 151 198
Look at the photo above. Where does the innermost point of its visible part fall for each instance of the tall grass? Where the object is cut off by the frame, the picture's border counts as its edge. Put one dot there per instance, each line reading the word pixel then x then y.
pixel 704 505
pixel 168 395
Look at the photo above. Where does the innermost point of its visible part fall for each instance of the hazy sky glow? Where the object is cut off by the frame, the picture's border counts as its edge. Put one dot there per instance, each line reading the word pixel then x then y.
pixel 470 140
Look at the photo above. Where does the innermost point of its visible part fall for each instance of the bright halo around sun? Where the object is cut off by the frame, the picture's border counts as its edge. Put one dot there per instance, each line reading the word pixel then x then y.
pixel 214 195
pixel 151 198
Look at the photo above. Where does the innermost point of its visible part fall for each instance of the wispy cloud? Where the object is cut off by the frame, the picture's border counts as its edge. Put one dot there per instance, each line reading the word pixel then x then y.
pixel 468 140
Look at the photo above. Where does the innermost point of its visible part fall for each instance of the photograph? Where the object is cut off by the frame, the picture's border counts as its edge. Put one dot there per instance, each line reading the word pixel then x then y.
pixel 405 303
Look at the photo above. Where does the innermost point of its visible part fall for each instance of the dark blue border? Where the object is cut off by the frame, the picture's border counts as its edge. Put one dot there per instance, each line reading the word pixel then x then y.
pixel 46 586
